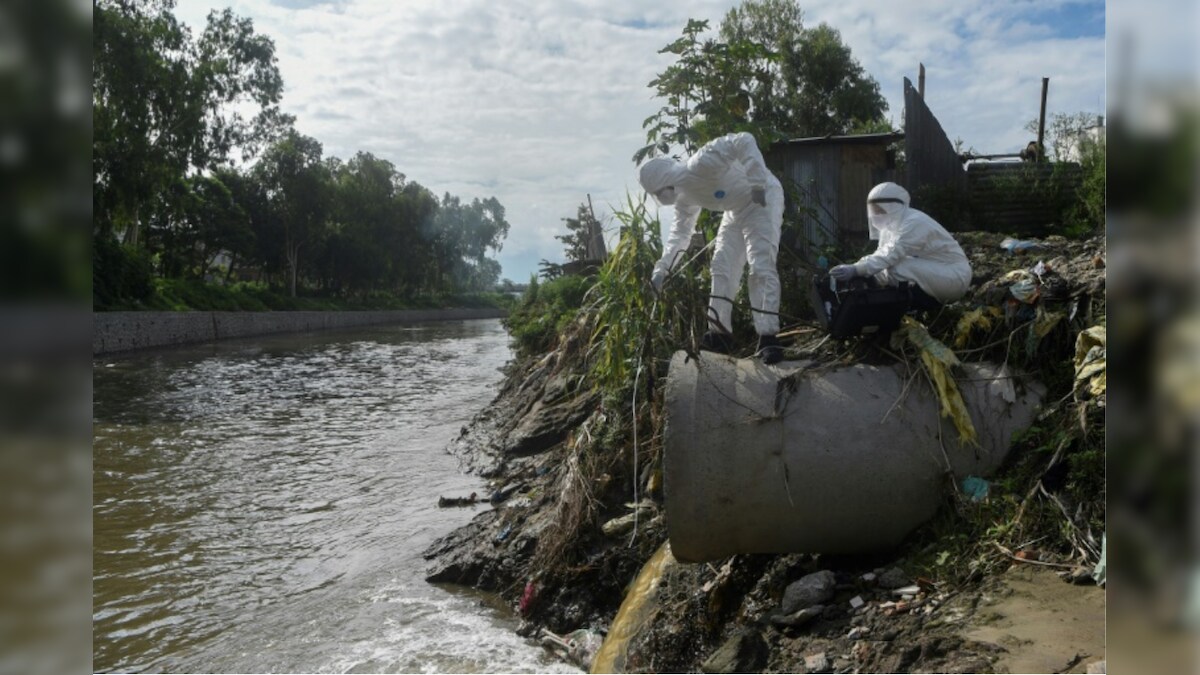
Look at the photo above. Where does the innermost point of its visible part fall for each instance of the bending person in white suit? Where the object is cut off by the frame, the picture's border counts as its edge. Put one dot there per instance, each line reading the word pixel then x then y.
pixel 729 175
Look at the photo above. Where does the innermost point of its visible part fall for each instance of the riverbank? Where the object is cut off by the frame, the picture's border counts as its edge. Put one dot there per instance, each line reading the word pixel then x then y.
pixel 114 332
pixel 576 477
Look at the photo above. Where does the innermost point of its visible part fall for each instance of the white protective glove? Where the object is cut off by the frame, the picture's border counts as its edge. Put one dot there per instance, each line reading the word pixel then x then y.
pixel 657 279
pixel 843 272
pixel 758 195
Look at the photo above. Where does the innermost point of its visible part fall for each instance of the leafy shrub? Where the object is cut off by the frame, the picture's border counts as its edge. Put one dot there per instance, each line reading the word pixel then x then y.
pixel 544 311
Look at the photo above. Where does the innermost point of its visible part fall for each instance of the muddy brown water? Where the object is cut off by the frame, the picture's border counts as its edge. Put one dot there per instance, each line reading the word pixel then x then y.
pixel 262 505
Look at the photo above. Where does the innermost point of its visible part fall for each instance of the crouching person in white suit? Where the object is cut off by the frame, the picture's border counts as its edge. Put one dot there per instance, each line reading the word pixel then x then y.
pixel 913 247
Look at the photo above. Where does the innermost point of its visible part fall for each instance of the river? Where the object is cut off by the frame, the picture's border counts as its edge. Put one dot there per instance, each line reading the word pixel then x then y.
pixel 262 505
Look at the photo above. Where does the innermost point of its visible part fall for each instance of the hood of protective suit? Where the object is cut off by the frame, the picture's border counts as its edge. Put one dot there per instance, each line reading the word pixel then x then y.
pixel 659 173
pixel 894 201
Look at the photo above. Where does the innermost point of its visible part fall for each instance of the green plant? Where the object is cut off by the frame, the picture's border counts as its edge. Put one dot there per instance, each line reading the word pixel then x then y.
pixel 544 311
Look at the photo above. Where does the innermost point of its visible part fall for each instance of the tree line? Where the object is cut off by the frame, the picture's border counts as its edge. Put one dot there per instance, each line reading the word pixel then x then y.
pixel 198 174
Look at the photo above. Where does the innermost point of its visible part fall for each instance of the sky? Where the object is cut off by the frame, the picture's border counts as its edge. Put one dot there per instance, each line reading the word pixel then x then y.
pixel 539 103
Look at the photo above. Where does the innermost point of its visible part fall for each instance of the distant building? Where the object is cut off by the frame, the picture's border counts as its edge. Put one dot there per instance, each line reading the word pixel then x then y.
pixel 827 179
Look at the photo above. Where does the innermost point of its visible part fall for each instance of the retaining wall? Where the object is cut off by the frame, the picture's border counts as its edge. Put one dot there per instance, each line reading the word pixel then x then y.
pixel 126 331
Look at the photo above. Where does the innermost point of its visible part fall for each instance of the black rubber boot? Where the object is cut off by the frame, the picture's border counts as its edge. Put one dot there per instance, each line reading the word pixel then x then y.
pixel 769 349
pixel 716 341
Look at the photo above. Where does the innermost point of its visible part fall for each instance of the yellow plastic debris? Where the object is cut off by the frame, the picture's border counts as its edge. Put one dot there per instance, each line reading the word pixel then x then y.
pixel 939 360
pixel 1090 363
pixel 981 318
pixel 636 611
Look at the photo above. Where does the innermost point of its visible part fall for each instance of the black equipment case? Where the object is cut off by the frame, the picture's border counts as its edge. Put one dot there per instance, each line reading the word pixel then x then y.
pixel 858 307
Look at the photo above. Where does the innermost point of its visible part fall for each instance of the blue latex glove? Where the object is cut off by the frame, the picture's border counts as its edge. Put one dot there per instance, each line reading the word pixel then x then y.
pixel 843 272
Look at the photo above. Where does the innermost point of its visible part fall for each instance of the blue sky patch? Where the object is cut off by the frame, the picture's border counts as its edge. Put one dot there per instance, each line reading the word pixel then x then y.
pixel 1072 20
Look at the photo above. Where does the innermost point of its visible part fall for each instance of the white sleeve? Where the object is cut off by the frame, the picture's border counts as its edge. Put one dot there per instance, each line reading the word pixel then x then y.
pixel 679 238
pixel 909 237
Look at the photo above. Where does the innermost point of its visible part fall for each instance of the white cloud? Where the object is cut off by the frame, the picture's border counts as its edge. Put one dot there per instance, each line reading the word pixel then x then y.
pixel 540 102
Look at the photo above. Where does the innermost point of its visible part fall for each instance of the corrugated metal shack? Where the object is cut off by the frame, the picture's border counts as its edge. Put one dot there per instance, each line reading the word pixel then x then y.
pixel 827 180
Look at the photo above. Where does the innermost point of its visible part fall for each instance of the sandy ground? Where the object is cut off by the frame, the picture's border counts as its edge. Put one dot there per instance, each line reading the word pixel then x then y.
pixel 1044 624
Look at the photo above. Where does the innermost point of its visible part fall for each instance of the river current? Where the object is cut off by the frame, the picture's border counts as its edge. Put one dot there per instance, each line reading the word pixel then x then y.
pixel 262 505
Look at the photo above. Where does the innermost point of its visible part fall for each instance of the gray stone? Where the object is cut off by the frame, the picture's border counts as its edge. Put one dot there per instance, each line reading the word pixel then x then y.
pixel 813 589
pixel 816 663
pixel 798 618
pixel 745 652
pixel 893 578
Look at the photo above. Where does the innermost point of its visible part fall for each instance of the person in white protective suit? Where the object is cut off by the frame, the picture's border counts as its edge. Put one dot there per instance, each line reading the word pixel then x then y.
pixel 912 247
pixel 729 175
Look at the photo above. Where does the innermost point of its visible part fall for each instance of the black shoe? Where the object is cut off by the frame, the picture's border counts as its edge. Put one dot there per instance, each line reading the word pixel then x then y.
pixel 769 349
pixel 716 341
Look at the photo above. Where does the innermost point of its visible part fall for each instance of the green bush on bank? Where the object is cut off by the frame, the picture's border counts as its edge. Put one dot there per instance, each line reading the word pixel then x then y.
pixel 544 311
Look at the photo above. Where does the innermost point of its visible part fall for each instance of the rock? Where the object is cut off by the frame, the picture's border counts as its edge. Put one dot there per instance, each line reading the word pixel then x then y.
pixel 455 558
pixel 745 652
pixel 893 578
pixel 544 426
pixel 799 618
pixel 1096 668
pixel 813 589
pixel 816 663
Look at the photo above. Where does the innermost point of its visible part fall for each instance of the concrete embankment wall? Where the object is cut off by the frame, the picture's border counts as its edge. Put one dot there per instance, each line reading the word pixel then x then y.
pixel 127 331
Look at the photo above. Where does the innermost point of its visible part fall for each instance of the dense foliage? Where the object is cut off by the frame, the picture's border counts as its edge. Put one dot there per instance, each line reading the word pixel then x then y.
pixel 169 117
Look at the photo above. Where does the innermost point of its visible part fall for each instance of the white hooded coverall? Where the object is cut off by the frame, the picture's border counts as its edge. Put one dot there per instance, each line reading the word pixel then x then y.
pixel 721 177
pixel 912 247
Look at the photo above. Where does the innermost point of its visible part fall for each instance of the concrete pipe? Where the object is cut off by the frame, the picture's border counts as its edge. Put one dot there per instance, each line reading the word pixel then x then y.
pixel 795 458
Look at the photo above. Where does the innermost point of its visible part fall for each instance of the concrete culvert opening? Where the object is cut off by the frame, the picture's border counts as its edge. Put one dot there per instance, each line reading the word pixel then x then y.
pixel 799 458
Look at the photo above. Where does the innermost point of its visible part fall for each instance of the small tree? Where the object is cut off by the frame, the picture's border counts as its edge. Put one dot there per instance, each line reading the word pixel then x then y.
pixel 580 232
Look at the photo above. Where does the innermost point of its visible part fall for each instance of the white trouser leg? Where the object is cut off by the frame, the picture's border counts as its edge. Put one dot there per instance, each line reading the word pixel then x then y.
pixel 729 258
pixel 761 226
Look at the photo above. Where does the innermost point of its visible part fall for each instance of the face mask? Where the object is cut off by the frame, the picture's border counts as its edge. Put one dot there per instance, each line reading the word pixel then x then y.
pixel 888 220
pixel 666 196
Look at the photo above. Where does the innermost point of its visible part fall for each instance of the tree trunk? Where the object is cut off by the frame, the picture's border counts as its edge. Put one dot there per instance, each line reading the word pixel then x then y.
pixel 293 259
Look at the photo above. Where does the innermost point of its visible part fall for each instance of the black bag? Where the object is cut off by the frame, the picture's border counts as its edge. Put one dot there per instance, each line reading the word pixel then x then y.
pixel 858 306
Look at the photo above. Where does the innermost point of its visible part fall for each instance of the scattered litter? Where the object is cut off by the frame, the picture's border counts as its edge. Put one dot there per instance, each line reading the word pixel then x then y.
pixel 858 633
pixel 444 502
pixel 869 577
pixel 504 533
pixel 1100 573
pixel 1090 360
pixel 975 488
pixel 1025 289
pixel 1020 246
pixel 907 590
pixel 857 602
pixel 939 360
pixel 527 598
pixel 816 663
